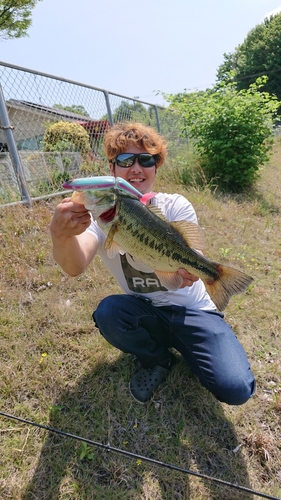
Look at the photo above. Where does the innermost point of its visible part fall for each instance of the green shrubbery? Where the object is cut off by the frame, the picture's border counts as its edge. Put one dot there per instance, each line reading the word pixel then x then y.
pixel 231 131
pixel 66 136
pixel 62 138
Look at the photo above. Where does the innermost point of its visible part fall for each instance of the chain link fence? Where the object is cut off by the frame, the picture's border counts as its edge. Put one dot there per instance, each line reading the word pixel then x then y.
pixel 52 128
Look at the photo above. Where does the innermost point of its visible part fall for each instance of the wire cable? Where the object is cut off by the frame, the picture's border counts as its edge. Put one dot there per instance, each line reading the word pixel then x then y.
pixel 254 75
pixel 107 447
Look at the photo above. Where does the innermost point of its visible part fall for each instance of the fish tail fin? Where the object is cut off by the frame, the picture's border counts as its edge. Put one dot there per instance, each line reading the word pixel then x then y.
pixel 229 282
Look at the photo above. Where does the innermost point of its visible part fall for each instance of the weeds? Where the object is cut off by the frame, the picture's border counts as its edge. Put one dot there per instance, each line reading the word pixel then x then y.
pixel 56 369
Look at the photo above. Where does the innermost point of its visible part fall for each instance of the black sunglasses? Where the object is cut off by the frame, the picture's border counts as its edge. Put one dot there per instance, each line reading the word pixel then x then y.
pixel 126 160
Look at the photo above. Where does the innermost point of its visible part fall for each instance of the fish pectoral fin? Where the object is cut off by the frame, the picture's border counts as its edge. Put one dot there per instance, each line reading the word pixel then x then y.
pixel 111 246
pixel 114 250
pixel 171 281
pixel 157 211
pixel 110 237
pixel 191 232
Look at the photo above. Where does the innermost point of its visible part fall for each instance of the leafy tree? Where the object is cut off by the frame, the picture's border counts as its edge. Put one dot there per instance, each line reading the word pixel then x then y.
pixel 15 18
pixel 231 130
pixel 123 112
pixel 226 70
pixel 78 109
pixel 259 54
pixel 127 112
pixel 171 127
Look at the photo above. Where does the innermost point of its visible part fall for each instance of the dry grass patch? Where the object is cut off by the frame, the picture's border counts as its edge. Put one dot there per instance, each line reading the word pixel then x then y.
pixel 57 370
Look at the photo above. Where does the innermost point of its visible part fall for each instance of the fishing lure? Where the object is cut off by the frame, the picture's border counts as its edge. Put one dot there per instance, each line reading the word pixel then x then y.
pixel 102 182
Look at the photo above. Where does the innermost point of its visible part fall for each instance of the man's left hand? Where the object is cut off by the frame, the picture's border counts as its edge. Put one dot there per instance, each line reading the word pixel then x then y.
pixel 188 278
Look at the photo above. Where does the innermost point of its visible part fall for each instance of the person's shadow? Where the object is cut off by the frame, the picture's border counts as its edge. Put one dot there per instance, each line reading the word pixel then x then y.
pixel 184 425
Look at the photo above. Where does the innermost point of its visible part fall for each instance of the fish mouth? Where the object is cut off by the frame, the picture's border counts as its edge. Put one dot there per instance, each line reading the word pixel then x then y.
pixel 99 203
pixel 109 215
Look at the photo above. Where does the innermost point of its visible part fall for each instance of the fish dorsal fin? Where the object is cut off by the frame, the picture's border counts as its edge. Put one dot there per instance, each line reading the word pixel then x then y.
pixel 157 211
pixel 191 232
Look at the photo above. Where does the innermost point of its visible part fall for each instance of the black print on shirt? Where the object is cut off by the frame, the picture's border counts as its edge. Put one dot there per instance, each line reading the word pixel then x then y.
pixel 139 281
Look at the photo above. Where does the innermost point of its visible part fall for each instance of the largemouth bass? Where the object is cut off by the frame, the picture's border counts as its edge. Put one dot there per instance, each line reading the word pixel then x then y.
pixel 159 246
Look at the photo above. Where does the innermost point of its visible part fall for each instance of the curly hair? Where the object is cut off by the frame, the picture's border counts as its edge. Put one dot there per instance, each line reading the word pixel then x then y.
pixel 123 135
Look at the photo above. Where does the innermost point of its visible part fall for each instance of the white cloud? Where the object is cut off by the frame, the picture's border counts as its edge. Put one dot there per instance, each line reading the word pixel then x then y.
pixel 273 12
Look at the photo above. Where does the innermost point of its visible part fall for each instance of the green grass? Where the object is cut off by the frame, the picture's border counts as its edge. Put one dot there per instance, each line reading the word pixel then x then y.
pixel 57 370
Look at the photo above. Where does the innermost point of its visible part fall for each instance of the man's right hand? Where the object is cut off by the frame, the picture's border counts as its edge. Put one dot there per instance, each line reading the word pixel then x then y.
pixel 69 219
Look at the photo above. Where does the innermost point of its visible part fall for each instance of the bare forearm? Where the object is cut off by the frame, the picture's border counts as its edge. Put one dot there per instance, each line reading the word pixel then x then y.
pixel 73 247
pixel 69 255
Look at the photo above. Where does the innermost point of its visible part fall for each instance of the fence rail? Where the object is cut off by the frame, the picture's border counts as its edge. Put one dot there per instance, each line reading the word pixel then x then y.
pixel 33 102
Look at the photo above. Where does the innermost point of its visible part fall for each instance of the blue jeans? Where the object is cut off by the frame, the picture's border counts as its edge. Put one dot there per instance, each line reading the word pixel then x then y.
pixel 205 340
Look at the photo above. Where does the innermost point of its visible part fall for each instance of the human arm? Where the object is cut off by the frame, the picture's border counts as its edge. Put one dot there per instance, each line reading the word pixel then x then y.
pixel 73 248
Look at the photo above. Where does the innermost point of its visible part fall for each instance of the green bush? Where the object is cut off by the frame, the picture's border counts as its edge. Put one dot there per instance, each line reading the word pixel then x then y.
pixel 231 131
pixel 66 136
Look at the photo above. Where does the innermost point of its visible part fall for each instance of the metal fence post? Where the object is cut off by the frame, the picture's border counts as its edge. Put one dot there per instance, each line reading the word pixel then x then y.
pixel 157 120
pixel 6 126
pixel 110 117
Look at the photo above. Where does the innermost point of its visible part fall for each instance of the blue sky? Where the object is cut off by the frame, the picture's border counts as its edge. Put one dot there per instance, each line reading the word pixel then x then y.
pixel 136 48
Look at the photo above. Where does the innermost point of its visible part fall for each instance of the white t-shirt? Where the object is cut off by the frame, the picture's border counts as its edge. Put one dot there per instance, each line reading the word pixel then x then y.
pixel 134 282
